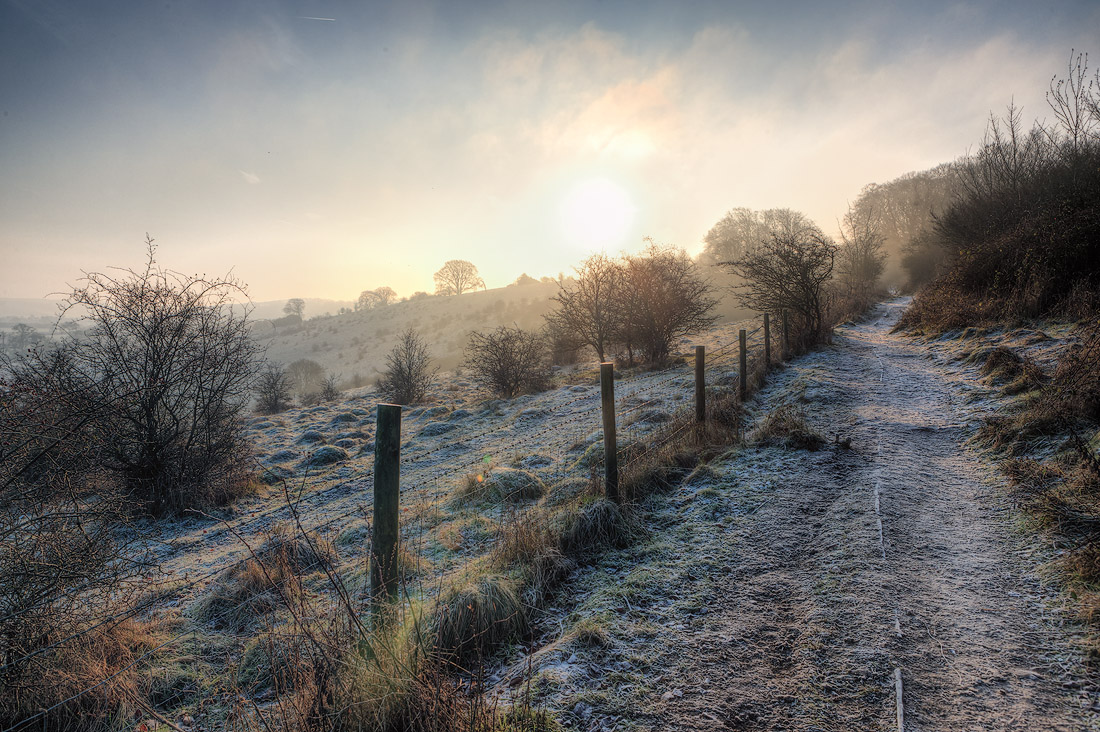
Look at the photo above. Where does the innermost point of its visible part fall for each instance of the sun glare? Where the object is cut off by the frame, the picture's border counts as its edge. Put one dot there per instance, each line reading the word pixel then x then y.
pixel 597 214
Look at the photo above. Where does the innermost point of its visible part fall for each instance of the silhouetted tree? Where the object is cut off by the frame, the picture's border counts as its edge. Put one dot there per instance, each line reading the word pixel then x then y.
pixel 456 277
pixel 742 230
pixel 664 298
pixel 376 298
pixel 23 336
pixel 295 306
pixel 860 259
pixel 306 376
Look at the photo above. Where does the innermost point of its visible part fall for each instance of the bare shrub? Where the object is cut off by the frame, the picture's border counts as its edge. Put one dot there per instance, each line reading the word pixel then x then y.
pixel 330 388
pixel 409 370
pixel 508 361
pixel 273 390
pixel 171 367
pixel 66 571
pixel 1022 235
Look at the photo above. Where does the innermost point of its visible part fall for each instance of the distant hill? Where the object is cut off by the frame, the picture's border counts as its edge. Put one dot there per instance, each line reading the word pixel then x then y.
pixel 356 343
pixel 16 308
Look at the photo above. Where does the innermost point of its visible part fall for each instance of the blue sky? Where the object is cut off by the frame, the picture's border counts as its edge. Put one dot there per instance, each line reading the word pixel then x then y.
pixel 318 158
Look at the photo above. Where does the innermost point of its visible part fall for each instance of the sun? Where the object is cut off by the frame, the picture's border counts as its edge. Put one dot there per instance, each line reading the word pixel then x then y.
pixel 596 214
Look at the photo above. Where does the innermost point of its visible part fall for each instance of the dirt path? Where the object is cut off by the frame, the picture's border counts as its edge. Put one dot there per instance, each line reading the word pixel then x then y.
pixel 787 605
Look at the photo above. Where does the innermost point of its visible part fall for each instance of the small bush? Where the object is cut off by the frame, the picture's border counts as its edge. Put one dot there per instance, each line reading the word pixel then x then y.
pixel 508 361
pixel 273 390
pixel 409 372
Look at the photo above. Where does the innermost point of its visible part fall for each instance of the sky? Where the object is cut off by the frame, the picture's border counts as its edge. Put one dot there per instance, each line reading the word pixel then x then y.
pixel 319 148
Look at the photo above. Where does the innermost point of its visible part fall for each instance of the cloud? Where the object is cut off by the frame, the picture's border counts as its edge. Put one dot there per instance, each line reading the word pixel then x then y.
pixel 250 178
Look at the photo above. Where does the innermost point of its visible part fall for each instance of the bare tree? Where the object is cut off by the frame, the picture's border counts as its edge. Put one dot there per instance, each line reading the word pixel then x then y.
pixel 664 297
pixel 508 361
pixel 295 306
pixel 860 259
pixel 456 277
pixel 23 336
pixel 1074 101
pixel 789 273
pixel 409 370
pixel 742 230
pixel 587 304
pixel 376 298
pixel 273 390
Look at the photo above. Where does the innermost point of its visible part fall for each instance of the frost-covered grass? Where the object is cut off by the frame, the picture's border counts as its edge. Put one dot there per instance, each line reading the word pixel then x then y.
pixel 1041 394
pixel 498 502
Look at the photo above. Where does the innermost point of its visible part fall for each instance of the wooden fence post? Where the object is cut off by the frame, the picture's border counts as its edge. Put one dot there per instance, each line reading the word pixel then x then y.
pixel 700 385
pixel 387 485
pixel 767 342
pixel 786 337
pixel 610 451
pixel 744 363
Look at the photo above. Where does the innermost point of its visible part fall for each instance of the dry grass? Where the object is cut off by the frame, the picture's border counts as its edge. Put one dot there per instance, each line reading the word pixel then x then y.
pixel 496 484
pixel 1061 491
pixel 598 525
pixel 82 664
pixel 271 579
pixel 786 425
pixel 474 620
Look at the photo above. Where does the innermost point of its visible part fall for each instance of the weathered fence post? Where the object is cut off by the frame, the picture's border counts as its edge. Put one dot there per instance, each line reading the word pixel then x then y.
pixel 700 385
pixel 387 484
pixel 610 451
pixel 767 342
pixel 786 337
pixel 744 364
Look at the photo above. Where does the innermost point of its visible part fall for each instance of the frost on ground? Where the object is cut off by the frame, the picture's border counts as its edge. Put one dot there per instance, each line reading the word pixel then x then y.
pixel 781 591
pixel 322 456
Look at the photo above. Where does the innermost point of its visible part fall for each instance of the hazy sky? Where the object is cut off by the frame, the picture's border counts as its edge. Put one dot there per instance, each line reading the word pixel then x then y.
pixel 320 148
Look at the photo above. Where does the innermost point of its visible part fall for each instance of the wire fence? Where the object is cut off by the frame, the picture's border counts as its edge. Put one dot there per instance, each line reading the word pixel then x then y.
pixel 544 434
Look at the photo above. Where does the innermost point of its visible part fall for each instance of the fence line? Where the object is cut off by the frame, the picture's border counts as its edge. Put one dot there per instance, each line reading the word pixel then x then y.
pixel 642 384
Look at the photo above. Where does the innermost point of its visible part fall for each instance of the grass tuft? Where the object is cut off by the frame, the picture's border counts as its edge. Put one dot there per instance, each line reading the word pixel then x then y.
pixel 786 425
pixel 474 620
